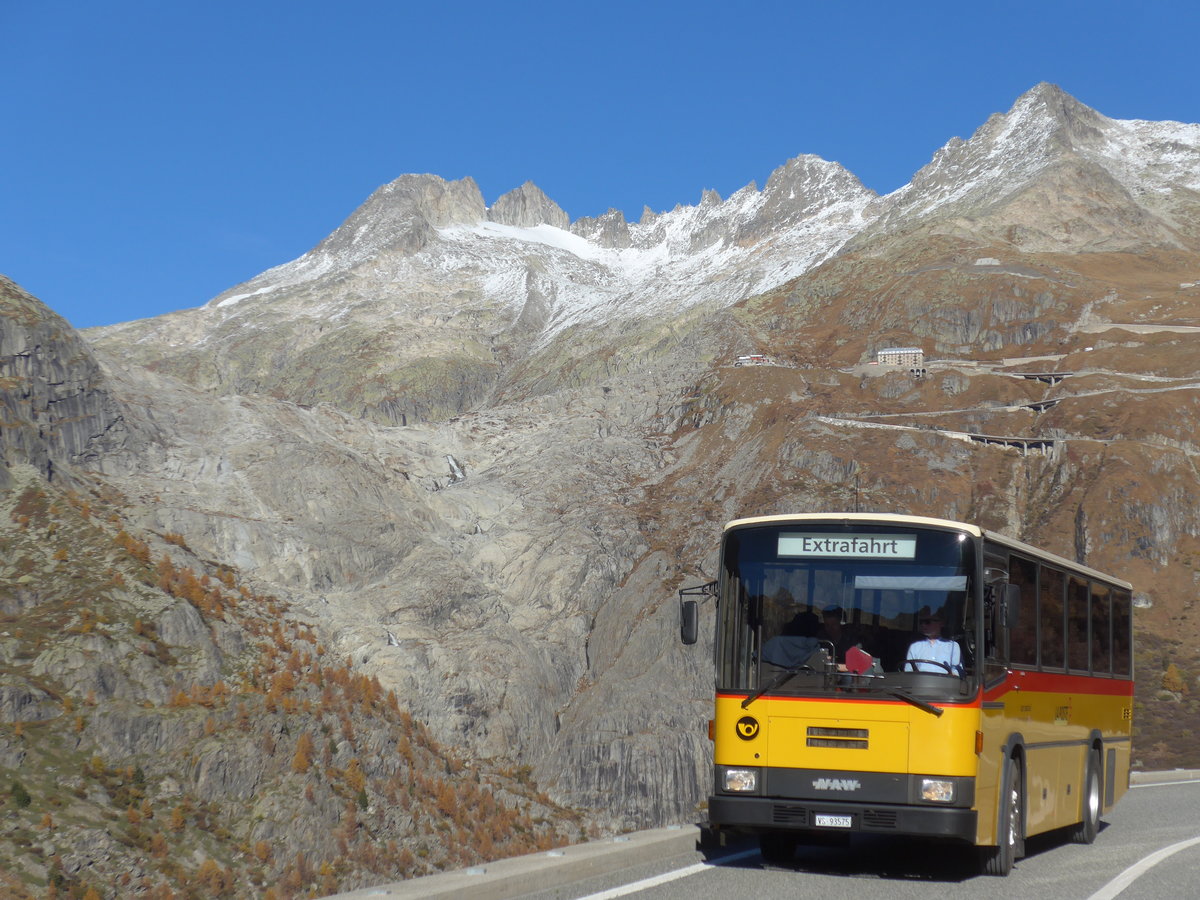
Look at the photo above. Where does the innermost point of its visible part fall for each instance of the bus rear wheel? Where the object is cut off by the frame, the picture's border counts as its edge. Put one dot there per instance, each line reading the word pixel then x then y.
pixel 1086 830
pixel 1010 839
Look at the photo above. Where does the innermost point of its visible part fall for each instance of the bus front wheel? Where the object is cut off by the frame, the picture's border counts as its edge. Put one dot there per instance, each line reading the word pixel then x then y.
pixel 1010 839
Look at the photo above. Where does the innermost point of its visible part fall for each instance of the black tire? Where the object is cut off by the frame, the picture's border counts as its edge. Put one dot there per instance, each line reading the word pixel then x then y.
pixel 1010 846
pixel 1085 831
pixel 777 849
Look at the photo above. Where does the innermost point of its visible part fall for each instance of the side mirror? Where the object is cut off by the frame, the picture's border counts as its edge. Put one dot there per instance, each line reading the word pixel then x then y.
pixel 1012 605
pixel 689 621
pixel 689 610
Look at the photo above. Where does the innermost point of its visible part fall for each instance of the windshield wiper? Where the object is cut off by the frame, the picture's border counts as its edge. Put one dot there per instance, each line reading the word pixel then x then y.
pixel 818 661
pixel 919 704
pixel 776 682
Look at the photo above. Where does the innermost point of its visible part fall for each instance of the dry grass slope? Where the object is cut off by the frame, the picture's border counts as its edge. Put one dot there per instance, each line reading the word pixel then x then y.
pixel 131 765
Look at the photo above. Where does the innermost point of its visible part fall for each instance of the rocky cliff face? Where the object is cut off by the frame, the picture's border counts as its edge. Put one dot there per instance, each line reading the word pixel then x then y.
pixel 477 450
pixel 163 726
pixel 56 411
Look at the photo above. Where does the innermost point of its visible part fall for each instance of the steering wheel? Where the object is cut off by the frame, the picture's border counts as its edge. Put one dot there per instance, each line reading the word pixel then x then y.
pixel 933 662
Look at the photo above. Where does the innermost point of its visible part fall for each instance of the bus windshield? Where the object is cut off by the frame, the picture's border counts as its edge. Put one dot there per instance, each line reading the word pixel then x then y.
pixel 888 601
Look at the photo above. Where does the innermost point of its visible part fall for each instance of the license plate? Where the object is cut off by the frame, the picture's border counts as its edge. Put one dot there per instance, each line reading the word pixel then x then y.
pixel 824 820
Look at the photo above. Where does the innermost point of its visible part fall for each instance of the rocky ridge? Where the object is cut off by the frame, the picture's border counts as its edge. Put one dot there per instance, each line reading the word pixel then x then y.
pixel 440 296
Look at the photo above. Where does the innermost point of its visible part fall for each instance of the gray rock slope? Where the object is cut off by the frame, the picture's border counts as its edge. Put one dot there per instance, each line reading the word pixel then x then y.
pixel 492 602
pixel 56 409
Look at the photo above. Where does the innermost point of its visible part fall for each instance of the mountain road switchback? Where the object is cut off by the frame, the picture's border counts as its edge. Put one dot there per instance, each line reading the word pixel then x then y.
pixel 1149 846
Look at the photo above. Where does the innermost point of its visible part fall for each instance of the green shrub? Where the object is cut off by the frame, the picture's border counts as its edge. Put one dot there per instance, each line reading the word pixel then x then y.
pixel 20 795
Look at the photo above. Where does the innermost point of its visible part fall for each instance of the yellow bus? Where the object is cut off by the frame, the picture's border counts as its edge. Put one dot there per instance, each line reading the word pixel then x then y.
pixel 901 675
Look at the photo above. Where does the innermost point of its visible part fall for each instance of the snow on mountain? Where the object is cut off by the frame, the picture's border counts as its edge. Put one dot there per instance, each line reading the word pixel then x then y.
pixel 683 258
pixel 1159 157
pixel 715 252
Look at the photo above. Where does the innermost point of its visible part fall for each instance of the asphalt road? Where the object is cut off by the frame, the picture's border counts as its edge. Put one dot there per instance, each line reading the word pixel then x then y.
pixel 1148 847
pixel 1150 822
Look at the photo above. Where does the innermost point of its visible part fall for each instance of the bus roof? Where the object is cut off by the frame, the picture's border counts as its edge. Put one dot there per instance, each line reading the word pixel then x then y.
pixel 901 519
pixel 879 518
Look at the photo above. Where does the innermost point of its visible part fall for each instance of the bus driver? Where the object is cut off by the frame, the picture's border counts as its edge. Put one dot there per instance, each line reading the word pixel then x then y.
pixel 925 654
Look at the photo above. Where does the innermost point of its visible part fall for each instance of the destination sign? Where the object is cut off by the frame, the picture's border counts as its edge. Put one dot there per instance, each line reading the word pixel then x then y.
pixel 849 546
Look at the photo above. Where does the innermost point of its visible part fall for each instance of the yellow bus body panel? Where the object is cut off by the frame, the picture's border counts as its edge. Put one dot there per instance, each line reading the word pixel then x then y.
pixel 1053 729
pixel 780 736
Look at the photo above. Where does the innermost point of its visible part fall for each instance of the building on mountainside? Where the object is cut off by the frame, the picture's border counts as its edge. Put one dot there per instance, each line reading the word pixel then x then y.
pixel 754 359
pixel 913 357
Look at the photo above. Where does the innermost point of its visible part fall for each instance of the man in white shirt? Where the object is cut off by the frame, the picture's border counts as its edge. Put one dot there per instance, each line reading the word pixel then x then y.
pixel 932 649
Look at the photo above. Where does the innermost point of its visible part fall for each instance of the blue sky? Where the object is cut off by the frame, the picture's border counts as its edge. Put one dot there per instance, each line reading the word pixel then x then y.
pixel 157 152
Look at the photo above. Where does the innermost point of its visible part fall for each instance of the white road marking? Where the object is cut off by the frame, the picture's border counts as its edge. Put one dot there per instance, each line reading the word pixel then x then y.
pixel 1166 784
pixel 1139 868
pixel 666 877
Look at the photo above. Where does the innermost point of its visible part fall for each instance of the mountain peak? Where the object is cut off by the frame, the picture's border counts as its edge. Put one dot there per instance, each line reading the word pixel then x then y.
pixel 1072 124
pixel 527 207
pixel 1044 126
pixel 1046 93
pixel 809 180
pixel 402 214
pixel 1055 174
pixel 610 230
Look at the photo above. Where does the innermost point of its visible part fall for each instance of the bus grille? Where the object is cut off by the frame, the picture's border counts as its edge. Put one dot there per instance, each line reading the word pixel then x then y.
pixel 879 818
pixel 789 815
pixel 842 738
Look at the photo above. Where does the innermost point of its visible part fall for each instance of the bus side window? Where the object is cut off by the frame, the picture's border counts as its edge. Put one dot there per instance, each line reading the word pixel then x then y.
pixel 1101 630
pixel 1022 638
pixel 1122 631
pixel 995 573
pixel 1050 618
pixel 992 632
pixel 1078 638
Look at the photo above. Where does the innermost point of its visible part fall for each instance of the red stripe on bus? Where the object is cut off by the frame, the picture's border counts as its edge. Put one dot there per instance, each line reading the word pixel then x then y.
pixel 1059 683
pixel 873 699
pixel 1024 680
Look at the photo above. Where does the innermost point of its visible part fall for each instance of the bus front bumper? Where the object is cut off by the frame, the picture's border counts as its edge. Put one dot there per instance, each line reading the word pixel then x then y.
pixel 819 817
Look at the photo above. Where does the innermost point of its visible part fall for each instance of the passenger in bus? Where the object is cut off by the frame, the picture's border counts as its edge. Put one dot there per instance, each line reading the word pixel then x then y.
pixel 836 633
pixel 794 644
pixel 925 654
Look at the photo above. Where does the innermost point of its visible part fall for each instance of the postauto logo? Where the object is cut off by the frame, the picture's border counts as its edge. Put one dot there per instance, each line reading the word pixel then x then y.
pixel 747 728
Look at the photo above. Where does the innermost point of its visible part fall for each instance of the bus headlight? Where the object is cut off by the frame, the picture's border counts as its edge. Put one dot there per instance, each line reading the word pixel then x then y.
pixel 740 781
pixel 937 790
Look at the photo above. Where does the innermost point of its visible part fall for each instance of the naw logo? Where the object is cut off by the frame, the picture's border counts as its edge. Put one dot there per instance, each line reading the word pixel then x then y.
pixel 836 784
